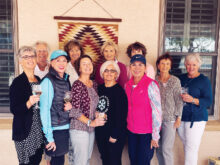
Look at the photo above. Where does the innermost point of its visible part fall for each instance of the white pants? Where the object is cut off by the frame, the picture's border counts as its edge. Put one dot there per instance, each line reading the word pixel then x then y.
pixel 82 146
pixel 191 138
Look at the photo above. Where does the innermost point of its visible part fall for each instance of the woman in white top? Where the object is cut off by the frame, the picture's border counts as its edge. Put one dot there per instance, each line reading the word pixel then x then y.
pixel 74 51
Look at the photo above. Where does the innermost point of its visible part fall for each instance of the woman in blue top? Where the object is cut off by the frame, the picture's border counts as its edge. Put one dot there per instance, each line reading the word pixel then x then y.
pixel 53 111
pixel 195 114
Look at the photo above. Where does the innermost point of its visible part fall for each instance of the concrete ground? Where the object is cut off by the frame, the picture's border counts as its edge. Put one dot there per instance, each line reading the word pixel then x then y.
pixel 8 154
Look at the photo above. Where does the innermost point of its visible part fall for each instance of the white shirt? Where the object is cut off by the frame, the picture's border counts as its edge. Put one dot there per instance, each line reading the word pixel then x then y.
pixel 71 71
pixel 41 73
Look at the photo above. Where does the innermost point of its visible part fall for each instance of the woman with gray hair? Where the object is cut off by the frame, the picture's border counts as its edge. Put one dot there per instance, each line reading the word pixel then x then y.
pixel 26 132
pixel 197 98
pixel 113 104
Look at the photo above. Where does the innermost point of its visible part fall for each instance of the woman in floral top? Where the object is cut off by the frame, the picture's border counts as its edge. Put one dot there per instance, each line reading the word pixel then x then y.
pixel 82 115
pixel 171 101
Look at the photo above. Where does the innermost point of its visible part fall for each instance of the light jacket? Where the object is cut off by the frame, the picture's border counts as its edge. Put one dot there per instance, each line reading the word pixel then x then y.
pixel 48 100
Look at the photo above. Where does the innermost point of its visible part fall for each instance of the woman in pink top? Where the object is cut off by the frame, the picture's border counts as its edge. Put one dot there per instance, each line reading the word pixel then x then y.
pixel 144 113
pixel 109 50
pixel 139 48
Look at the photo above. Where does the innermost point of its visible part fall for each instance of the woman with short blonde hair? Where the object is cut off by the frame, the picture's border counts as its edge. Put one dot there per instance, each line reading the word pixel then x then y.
pixel 195 114
pixel 110 52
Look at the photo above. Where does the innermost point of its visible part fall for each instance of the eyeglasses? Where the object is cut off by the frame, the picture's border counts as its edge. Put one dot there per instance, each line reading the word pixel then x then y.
pixel 26 57
pixel 111 71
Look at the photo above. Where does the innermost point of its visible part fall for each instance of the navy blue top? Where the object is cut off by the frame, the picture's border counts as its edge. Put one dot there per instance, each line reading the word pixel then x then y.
pixel 200 88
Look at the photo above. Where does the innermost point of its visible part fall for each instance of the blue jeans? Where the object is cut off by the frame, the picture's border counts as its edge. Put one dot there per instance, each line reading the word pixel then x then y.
pixel 139 149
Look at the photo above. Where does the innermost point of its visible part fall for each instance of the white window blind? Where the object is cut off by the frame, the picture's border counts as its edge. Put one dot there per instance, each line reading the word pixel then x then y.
pixel 192 26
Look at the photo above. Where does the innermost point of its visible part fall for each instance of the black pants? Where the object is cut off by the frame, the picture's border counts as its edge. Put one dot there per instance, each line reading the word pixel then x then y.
pixel 58 160
pixel 110 152
pixel 36 159
pixel 139 149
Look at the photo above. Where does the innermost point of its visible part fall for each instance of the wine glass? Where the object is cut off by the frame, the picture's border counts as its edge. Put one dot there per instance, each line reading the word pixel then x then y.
pixel 67 97
pixel 184 90
pixel 36 90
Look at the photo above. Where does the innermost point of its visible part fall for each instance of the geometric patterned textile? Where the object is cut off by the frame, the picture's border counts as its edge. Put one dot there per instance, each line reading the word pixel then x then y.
pixel 91 36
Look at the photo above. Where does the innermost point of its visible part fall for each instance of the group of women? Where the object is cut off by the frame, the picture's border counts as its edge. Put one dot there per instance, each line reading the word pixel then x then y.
pixel 122 102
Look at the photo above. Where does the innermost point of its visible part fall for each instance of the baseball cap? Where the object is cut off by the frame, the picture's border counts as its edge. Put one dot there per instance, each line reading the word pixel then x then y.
pixel 57 53
pixel 138 57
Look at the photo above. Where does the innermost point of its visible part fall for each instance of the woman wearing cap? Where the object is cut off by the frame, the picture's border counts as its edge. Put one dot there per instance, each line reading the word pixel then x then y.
pixel 172 105
pixel 195 114
pixel 139 48
pixel 109 50
pixel 82 115
pixel 26 131
pixel 144 113
pixel 54 113
pixel 74 51
pixel 113 102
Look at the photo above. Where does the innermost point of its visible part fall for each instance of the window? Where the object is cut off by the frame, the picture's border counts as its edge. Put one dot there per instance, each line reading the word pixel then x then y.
pixel 7 66
pixel 192 26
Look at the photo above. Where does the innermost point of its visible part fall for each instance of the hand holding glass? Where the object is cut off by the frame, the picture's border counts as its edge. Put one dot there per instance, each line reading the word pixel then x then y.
pixel 36 90
pixel 184 90
pixel 67 97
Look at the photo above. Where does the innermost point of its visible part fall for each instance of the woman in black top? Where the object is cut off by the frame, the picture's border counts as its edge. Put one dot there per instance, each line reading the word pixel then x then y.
pixel 26 131
pixel 113 105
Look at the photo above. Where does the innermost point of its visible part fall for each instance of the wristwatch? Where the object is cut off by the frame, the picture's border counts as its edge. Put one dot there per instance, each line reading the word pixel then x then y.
pixel 89 122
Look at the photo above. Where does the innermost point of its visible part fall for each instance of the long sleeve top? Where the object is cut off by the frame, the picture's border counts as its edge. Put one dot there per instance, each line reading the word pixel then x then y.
pixel 113 102
pixel 143 101
pixel 155 101
pixel 46 100
pixel 200 88
pixel 19 93
pixel 84 102
pixel 171 100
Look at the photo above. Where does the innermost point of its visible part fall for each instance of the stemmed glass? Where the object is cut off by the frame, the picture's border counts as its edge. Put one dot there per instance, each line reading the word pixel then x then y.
pixel 184 90
pixel 67 97
pixel 36 90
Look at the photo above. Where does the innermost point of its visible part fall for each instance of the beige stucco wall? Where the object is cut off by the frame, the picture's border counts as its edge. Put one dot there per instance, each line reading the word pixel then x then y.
pixel 140 22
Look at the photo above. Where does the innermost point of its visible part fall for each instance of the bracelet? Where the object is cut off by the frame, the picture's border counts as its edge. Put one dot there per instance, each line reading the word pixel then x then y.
pixel 89 122
pixel 193 101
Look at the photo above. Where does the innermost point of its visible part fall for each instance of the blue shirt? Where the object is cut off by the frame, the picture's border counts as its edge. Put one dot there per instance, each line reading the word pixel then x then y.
pixel 199 88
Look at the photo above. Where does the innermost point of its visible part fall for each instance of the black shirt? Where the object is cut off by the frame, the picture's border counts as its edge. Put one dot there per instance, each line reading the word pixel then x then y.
pixel 113 101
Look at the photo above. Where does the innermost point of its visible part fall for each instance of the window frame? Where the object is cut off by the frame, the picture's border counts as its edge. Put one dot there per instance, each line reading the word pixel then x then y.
pixel 14 9
pixel 161 50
